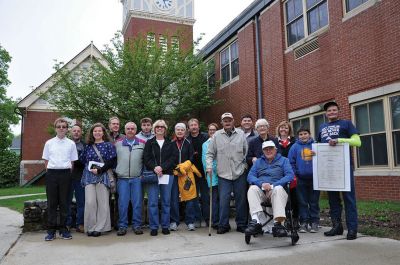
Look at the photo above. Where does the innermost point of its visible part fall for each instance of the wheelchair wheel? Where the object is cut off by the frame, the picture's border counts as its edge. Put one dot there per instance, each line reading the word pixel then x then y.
pixel 295 237
pixel 247 238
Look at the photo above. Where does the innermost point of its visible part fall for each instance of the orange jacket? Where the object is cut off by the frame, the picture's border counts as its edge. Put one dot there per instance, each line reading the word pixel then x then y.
pixel 184 171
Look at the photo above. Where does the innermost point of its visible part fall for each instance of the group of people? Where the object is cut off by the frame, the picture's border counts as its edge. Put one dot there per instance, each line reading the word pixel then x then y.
pixel 247 163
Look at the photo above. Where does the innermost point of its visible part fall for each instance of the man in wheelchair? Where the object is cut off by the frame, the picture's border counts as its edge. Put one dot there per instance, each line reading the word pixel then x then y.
pixel 267 178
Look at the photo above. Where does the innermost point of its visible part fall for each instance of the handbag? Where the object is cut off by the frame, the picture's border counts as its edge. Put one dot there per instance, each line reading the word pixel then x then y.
pixel 149 177
pixel 110 173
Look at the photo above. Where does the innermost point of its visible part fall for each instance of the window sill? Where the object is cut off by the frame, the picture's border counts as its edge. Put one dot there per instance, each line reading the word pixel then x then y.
pixel 228 83
pixel 377 172
pixel 359 9
pixel 308 38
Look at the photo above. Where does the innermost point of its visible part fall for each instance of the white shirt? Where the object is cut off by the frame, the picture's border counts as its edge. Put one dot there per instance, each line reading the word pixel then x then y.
pixel 60 153
pixel 160 143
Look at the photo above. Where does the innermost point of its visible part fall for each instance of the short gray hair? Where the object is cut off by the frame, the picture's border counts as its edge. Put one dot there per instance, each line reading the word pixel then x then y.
pixel 261 122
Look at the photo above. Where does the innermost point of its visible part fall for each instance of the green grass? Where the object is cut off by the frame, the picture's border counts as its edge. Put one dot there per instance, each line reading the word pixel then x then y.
pixel 17 204
pixel 369 207
pixel 20 190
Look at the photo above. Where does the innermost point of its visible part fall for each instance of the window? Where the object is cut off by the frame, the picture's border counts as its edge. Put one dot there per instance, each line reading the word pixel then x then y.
pixel 175 43
pixel 229 62
pixel 312 122
pixel 304 17
pixel 352 4
pixel 162 40
pixel 211 73
pixel 151 40
pixel 378 122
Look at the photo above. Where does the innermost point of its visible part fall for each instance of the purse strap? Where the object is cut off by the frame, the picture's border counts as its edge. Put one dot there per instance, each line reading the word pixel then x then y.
pixel 98 153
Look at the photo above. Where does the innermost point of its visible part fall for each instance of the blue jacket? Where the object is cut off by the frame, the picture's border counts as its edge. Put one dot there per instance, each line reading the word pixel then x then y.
pixel 301 159
pixel 278 172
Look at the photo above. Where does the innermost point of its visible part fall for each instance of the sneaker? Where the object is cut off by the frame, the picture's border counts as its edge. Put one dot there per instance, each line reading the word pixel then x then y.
pixel 254 228
pixel 50 236
pixel 138 231
pixel 191 227
pixel 314 228
pixel 279 230
pixel 66 235
pixel 121 231
pixel 303 228
pixel 173 226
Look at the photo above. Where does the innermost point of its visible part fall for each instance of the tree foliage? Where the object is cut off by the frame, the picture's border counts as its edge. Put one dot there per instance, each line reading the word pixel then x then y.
pixel 139 79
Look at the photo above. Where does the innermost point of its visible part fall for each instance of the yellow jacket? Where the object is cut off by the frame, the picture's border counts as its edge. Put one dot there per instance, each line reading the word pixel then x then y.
pixel 184 171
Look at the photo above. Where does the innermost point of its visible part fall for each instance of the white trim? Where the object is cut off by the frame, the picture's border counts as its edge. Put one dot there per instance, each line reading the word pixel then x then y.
pixel 359 9
pixel 157 17
pixel 230 82
pixel 306 111
pixel 374 172
pixel 89 51
pixel 374 93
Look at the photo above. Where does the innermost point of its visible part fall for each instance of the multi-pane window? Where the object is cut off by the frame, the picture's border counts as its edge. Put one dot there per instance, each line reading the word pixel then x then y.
pixel 211 73
pixel 162 41
pixel 304 17
pixel 352 4
pixel 312 122
pixel 378 122
pixel 175 43
pixel 229 62
pixel 151 39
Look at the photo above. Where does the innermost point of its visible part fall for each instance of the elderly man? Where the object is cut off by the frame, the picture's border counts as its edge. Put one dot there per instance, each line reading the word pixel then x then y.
pixel 129 185
pixel 229 147
pixel 267 177
pixel 113 126
pixel 255 150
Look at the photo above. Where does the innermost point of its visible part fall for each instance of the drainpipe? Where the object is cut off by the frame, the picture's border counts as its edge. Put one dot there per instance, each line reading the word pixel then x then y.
pixel 21 170
pixel 258 62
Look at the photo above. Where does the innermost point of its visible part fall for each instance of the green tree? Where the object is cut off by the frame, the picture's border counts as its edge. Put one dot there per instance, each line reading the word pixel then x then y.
pixel 140 79
pixel 9 161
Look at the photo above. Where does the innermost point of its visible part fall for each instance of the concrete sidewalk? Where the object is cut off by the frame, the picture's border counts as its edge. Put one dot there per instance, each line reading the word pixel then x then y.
pixel 10 229
pixel 19 196
pixel 184 247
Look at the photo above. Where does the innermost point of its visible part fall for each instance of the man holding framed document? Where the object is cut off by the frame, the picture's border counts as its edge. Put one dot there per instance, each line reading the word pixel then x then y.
pixel 333 132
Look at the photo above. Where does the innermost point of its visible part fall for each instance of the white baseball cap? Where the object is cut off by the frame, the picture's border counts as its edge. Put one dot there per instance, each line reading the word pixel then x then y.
pixel 226 115
pixel 268 144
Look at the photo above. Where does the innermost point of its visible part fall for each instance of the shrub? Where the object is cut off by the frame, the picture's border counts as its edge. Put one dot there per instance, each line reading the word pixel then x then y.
pixel 9 169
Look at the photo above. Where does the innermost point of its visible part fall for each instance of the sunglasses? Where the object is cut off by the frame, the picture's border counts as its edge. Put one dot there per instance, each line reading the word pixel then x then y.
pixel 157 127
pixel 61 127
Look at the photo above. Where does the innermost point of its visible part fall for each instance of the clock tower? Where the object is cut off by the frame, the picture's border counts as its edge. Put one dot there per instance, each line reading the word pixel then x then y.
pixel 161 20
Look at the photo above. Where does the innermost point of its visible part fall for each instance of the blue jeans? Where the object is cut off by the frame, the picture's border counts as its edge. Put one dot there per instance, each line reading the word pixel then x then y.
pixel 215 205
pixel 203 193
pixel 79 191
pixel 308 201
pixel 239 187
pixel 130 190
pixel 190 211
pixel 349 198
pixel 175 216
pixel 165 193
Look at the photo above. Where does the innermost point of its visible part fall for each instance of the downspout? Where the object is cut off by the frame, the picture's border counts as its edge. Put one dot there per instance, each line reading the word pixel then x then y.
pixel 258 62
pixel 21 169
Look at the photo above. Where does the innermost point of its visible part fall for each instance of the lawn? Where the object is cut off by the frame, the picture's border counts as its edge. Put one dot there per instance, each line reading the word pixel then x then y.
pixel 21 190
pixel 17 204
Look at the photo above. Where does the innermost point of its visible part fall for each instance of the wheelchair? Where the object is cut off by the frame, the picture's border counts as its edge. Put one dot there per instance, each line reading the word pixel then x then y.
pixel 289 226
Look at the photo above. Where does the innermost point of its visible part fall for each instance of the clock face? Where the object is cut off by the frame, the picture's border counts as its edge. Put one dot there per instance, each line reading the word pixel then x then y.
pixel 163 4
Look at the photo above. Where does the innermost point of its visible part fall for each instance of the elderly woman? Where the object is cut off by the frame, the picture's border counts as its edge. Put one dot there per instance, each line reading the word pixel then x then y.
pixel 95 180
pixel 255 145
pixel 158 157
pixel 212 128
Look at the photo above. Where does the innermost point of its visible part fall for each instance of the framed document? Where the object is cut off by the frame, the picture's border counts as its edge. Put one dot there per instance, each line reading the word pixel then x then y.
pixel 331 167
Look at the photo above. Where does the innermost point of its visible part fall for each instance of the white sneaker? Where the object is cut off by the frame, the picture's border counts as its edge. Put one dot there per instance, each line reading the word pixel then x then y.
pixel 173 226
pixel 191 227
pixel 314 228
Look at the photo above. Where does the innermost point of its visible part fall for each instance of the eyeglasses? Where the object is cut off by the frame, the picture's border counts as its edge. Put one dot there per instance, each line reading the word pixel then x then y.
pixel 262 126
pixel 61 127
pixel 158 127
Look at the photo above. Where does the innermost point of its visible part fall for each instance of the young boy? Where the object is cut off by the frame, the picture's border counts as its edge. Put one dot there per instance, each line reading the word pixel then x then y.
pixel 300 157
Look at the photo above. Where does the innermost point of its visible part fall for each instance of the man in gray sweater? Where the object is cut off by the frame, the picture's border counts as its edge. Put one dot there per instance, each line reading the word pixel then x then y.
pixel 129 185
pixel 229 147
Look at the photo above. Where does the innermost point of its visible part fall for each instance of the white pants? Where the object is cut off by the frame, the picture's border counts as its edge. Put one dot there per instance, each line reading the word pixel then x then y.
pixel 97 208
pixel 277 196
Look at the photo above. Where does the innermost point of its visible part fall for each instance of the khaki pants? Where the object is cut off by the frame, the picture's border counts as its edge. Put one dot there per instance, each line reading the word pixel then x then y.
pixel 277 196
pixel 97 208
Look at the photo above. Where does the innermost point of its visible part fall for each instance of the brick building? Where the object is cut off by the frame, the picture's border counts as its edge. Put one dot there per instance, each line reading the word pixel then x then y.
pixel 285 59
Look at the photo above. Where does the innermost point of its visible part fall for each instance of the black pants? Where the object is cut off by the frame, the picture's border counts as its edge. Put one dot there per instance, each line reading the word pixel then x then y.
pixel 58 184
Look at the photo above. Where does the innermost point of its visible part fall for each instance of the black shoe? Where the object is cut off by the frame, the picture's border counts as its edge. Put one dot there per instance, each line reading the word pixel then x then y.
pixel 121 231
pixel 96 234
pixel 153 232
pixel 279 230
pixel 241 229
pixel 215 226
pixel 223 230
pixel 254 228
pixel 337 229
pixel 165 231
pixel 351 235
pixel 138 231
pixel 89 233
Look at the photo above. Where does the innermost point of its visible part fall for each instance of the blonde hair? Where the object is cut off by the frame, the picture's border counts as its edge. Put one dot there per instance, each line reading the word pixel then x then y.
pixel 160 123
pixel 284 123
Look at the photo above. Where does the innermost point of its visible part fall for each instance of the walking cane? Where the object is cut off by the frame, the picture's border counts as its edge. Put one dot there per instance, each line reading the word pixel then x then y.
pixel 210 219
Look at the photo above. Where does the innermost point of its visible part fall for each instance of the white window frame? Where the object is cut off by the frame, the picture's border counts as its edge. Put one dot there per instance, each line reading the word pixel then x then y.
pixel 357 10
pixel 209 74
pixel 310 117
pixel 391 167
pixel 307 36
pixel 228 49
